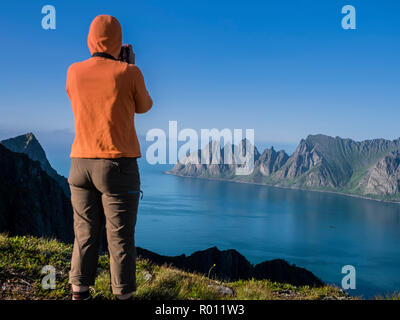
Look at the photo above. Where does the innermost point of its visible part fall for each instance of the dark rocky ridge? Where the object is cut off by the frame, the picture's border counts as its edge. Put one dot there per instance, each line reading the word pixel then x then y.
pixel 28 144
pixel 32 202
pixel 230 265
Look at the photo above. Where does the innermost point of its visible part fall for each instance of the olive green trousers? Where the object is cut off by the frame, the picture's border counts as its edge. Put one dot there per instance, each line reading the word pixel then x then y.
pixel 104 190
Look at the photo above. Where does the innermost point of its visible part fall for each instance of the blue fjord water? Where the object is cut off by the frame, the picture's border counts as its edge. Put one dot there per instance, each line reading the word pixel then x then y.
pixel 321 232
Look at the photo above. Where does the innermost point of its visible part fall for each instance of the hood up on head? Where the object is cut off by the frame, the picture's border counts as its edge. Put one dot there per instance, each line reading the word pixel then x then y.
pixel 105 35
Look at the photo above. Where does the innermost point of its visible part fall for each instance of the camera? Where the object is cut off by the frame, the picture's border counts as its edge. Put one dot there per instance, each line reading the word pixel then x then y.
pixel 127 55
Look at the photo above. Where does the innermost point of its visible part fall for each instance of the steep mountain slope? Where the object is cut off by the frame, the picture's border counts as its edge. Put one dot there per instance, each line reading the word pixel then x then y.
pixel 28 144
pixel 332 163
pixel 32 202
pixel 383 177
pixel 367 168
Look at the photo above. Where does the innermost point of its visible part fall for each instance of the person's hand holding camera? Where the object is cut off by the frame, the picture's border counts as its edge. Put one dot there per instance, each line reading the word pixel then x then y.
pixel 127 55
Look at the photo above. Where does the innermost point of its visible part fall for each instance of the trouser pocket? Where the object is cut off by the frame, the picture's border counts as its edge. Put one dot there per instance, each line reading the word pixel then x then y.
pixel 139 192
pixel 119 176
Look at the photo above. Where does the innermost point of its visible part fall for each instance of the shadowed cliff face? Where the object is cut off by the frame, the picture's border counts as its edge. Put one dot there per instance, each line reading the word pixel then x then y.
pixel 28 144
pixel 321 163
pixel 32 202
pixel 230 265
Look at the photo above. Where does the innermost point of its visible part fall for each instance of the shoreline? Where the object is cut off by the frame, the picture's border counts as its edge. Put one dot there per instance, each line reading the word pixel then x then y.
pixel 288 188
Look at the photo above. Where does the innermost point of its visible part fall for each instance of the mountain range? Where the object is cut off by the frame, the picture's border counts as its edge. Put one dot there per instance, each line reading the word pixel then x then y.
pixel 33 202
pixel 369 168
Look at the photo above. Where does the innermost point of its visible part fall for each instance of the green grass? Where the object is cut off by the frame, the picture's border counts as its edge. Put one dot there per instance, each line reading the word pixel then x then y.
pixel 22 259
pixel 393 296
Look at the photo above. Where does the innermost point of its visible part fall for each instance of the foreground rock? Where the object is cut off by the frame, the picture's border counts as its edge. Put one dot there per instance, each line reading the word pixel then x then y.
pixel 28 144
pixel 230 265
pixel 32 202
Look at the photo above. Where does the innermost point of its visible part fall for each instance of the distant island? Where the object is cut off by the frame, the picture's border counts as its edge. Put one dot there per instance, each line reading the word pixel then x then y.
pixel 369 169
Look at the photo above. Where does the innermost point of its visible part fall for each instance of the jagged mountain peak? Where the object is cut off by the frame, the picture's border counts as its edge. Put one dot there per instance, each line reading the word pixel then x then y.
pixel 322 162
pixel 29 145
pixel 31 201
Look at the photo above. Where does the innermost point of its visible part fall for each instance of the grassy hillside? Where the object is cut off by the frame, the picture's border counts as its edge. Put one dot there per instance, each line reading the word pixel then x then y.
pixel 22 259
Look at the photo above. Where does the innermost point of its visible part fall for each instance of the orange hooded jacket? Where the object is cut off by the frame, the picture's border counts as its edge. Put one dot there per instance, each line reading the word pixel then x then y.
pixel 105 95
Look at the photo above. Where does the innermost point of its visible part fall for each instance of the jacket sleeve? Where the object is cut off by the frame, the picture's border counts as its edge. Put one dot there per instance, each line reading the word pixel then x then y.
pixel 68 79
pixel 143 101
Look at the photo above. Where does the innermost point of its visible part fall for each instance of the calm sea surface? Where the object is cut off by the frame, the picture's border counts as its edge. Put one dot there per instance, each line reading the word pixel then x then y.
pixel 321 232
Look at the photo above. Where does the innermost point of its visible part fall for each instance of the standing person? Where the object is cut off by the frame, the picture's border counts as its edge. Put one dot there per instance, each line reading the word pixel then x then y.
pixel 104 178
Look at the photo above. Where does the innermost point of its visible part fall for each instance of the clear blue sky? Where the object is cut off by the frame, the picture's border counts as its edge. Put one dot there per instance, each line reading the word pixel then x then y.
pixel 285 68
